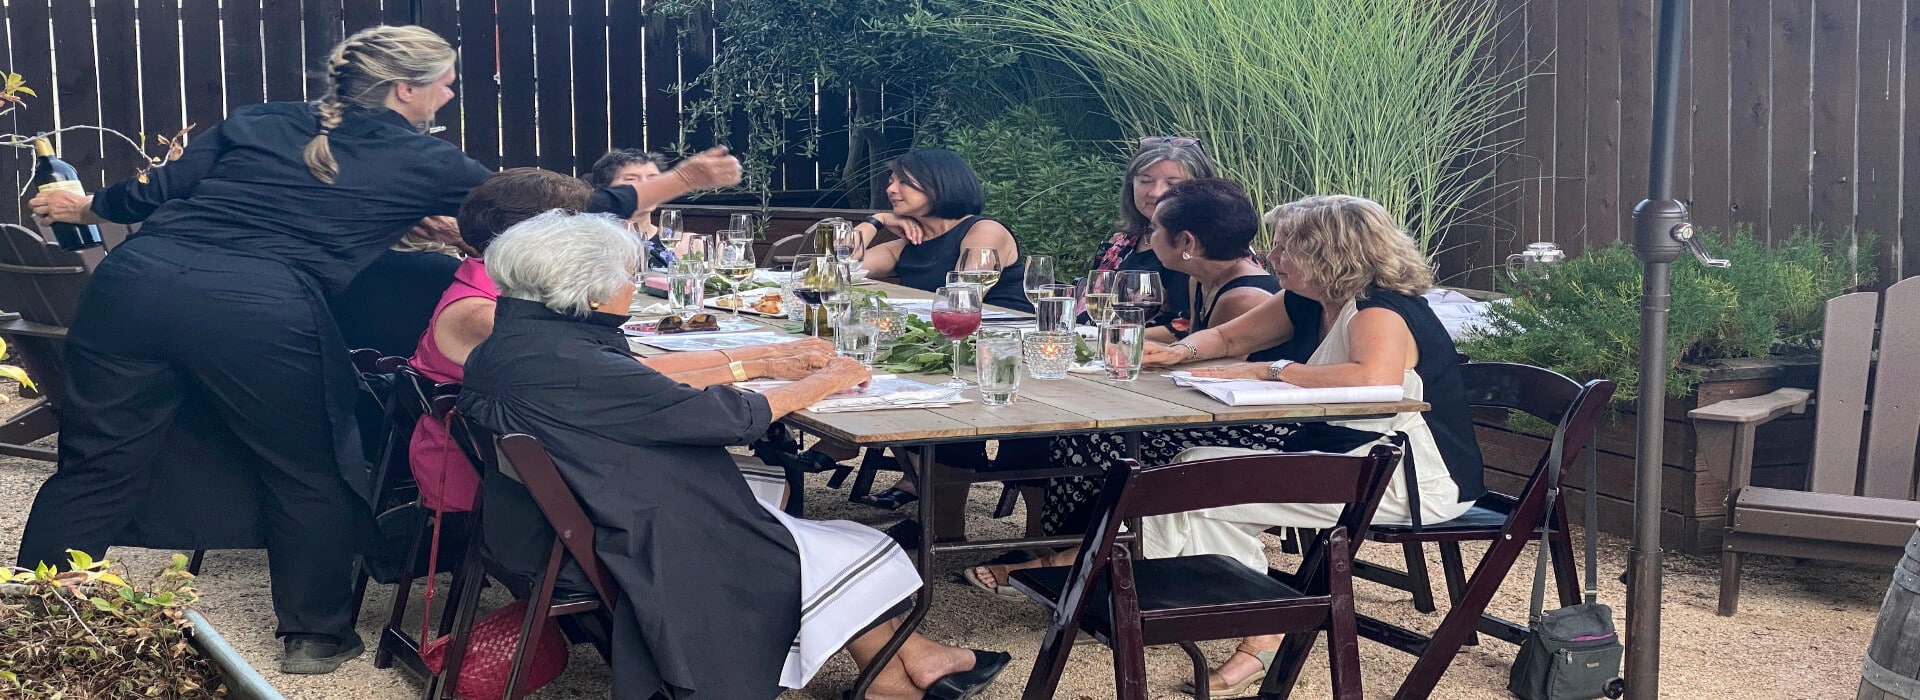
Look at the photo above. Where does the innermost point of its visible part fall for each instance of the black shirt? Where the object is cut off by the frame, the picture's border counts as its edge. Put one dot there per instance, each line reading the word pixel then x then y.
pixel 1450 418
pixel 1173 281
pixel 389 304
pixel 1203 316
pixel 925 267
pixel 243 187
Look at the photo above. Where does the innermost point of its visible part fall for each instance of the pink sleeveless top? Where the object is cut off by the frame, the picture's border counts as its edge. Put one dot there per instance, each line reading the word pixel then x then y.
pixel 447 481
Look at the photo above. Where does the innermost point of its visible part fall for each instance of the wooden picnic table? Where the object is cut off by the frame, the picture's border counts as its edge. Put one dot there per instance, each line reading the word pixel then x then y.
pixel 1079 404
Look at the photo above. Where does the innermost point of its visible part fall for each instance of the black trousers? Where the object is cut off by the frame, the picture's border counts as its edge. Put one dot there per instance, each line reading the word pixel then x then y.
pixel 160 319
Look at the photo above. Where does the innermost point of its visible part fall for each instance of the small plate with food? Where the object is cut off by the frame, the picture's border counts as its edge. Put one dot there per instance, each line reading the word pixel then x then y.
pixel 757 303
pixel 683 325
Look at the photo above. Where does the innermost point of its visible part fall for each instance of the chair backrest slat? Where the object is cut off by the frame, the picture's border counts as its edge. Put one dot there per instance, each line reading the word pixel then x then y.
pixel 529 459
pixel 50 293
pixel 1262 478
pixel 1894 425
pixel 1846 355
pixel 1541 393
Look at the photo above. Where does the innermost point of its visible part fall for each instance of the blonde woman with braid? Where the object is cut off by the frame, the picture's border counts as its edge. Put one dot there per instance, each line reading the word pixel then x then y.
pixel 211 327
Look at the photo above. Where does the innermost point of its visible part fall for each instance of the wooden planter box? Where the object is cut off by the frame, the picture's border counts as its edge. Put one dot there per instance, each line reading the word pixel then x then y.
pixel 1694 497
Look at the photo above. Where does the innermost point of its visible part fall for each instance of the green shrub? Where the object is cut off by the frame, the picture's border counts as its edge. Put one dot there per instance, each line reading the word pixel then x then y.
pixel 1058 196
pixel 1583 319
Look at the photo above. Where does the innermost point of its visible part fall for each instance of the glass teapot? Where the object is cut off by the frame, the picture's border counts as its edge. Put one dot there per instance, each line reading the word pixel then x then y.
pixel 1536 257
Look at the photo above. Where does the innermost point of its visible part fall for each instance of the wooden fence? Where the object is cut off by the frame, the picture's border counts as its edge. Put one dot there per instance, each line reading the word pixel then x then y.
pixel 1794 114
pixel 1794 111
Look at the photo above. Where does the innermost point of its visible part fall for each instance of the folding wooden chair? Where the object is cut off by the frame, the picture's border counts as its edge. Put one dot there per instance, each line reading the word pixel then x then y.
pixel 523 459
pixel 1574 409
pixel 1128 604
pixel 40 288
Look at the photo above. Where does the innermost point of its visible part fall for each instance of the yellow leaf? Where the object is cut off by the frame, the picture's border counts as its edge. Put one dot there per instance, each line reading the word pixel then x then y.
pixel 18 375
pixel 113 579
pixel 81 560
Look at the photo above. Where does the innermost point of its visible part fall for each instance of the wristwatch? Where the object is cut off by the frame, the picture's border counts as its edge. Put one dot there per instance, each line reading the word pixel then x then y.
pixel 1273 370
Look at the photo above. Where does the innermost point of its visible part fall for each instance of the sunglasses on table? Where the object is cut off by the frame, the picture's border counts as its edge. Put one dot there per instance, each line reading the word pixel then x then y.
pixel 1175 141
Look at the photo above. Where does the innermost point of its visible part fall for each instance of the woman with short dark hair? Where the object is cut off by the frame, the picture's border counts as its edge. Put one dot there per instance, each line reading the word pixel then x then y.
pixel 632 166
pixel 937 202
pixel 1201 229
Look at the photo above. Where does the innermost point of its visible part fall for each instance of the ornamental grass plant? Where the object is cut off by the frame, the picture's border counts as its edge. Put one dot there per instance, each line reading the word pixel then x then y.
pixel 1582 317
pixel 1386 99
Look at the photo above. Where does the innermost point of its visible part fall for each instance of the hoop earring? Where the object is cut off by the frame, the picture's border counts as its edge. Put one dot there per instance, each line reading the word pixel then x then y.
pixel 1184 255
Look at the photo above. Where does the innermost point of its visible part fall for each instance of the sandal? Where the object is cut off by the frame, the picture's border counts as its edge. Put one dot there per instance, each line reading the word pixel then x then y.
pixel 1244 689
pixel 1000 573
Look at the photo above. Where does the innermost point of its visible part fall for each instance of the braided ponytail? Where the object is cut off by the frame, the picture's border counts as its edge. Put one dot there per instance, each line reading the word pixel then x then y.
pixel 362 71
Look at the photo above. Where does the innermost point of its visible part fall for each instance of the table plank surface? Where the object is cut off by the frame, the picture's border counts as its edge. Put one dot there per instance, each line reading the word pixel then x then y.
pixel 1079 403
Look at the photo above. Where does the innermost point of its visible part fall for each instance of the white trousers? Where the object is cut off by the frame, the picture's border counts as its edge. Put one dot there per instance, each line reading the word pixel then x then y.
pixel 1235 531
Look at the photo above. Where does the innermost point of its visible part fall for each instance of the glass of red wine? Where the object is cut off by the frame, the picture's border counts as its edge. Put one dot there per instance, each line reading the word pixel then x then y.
pixel 956 315
pixel 817 279
pixel 1139 289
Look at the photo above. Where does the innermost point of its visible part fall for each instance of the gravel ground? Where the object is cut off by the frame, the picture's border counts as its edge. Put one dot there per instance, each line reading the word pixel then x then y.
pixel 1800 634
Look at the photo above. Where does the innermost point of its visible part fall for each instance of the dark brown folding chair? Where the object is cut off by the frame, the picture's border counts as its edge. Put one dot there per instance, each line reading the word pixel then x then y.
pixel 40 288
pixel 1574 409
pixel 1129 604
pixel 522 458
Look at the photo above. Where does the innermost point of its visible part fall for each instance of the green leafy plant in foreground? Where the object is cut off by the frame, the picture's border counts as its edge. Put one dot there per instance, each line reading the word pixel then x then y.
pixel 1582 318
pixel 86 633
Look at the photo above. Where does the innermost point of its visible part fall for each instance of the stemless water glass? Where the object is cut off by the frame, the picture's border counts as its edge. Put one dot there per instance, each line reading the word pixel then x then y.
pixel 686 287
pixel 956 315
pixel 1121 342
pixel 1049 354
pixel 979 266
pixel 996 359
pixel 1039 276
pixel 1053 314
pixel 700 251
pixel 858 336
pixel 735 265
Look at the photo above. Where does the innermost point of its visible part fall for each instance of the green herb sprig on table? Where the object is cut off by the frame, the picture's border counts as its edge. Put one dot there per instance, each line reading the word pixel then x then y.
pixel 922 350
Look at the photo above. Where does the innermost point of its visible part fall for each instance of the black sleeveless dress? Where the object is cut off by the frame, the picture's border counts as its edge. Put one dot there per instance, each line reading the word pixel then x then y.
pixel 925 267
pixel 1203 316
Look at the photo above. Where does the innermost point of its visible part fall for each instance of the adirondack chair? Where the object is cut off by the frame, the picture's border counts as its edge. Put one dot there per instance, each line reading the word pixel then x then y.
pixel 40 284
pixel 1856 507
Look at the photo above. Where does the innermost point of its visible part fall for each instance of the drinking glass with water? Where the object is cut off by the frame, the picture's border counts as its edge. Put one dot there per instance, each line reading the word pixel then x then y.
pixel 996 356
pixel 1121 342
pixel 686 287
pixel 858 336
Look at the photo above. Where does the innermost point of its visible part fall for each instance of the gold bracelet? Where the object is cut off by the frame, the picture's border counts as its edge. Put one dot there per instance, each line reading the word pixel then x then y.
pixel 739 371
pixel 724 354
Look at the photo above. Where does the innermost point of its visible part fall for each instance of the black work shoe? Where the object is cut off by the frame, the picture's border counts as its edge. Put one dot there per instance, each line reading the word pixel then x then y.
pixel 314 654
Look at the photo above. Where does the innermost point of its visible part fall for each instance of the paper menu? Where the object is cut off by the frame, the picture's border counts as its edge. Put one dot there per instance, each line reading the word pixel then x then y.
pixel 1262 393
pixel 729 341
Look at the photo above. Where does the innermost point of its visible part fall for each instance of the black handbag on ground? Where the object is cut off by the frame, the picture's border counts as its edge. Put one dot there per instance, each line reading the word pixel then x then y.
pixel 1572 653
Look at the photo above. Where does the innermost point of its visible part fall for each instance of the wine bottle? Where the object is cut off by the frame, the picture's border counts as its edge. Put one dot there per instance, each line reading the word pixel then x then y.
pixel 49 174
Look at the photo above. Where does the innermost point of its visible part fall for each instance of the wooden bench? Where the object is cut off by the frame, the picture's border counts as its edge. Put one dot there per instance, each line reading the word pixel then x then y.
pixel 1857 506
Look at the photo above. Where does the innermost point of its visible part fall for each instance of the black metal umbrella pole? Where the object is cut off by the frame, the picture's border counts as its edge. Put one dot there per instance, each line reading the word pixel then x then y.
pixel 1660 234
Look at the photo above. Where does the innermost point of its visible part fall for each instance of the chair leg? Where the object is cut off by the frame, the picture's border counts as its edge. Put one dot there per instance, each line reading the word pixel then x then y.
pixel 193 564
pixel 1051 662
pixel 1009 497
pixel 1465 615
pixel 1201 690
pixel 796 488
pixel 1729 583
pixel 1130 668
pixel 1343 641
pixel 463 604
pixel 1453 568
pixel 863 480
pixel 1287 665
pixel 539 606
pixel 1566 573
pixel 1417 571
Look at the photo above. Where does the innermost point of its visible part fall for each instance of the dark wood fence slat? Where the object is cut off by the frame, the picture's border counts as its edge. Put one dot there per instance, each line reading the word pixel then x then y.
pixel 591 95
pixel 1527 209
pixel 324 29
pixel 1603 127
pixel 159 29
pixel 626 73
pixel 662 60
pixel 553 68
pixel 77 86
pixel 1711 206
pixel 286 61
pixel 399 12
pixel 479 90
pixel 1877 162
pixel 1835 102
pixel 1749 117
pixel 443 18
pixel 206 101
pixel 1792 115
pixel 1908 249
pixel 119 60
pixel 13 161
pixel 1636 119
pixel 697 48
pixel 1568 182
pixel 833 139
pixel 356 15
pixel 241 24
pixel 519 135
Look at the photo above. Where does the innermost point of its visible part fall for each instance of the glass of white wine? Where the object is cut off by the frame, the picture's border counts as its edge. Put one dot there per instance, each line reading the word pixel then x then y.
pixel 735 265
pixel 979 266
pixel 1100 295
pixel 1038 276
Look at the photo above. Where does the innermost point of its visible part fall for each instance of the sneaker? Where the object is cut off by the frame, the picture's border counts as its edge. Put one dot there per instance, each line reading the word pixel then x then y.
pixel 315 654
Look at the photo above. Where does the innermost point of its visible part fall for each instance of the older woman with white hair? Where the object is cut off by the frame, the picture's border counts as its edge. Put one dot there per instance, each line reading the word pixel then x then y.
pixel 722 595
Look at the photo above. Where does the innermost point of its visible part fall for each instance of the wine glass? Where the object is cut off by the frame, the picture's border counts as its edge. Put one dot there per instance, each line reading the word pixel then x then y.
pixel 980 266
pixel 742 225
pixel 1039 275
pixel 700 250
pixel 848 244
pixel 816 280
pixel 842 298
pixel 1098 297
pixel 1140 289
pixel 735 264
pixel 956 315
pixel 670 227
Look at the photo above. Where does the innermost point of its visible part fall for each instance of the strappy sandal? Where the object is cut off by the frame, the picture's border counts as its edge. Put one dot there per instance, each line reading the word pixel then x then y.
pixel 1000 573
pixel 1244 689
